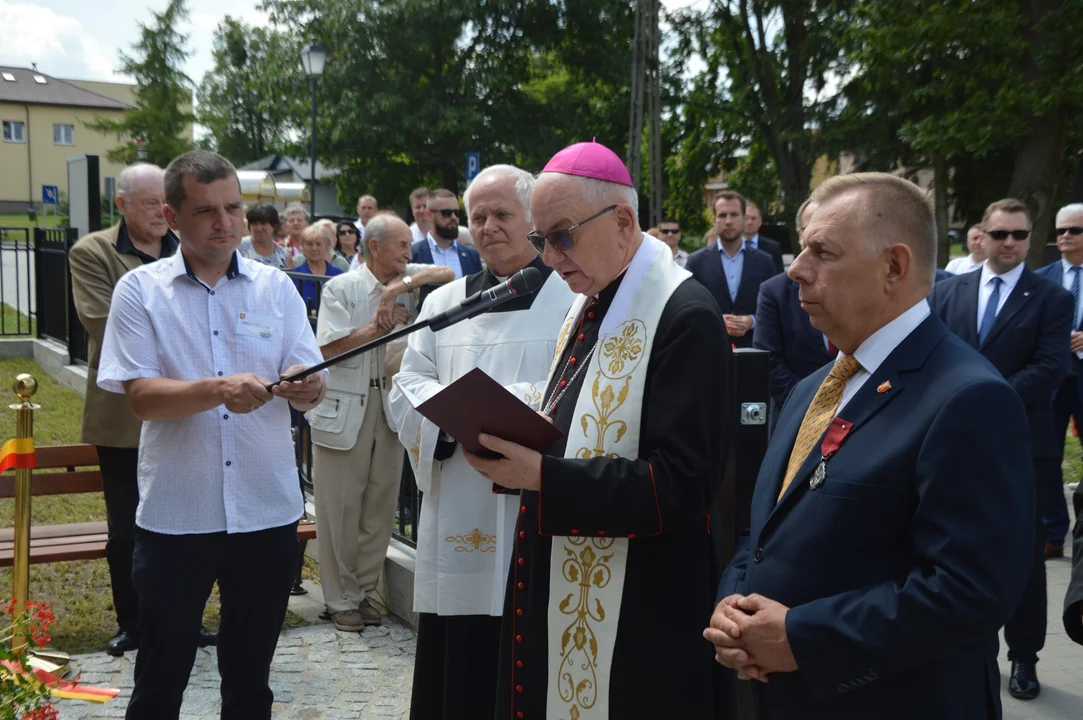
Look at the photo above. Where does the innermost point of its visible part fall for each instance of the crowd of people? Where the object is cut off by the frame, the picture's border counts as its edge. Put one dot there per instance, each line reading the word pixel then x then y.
pixel 575 580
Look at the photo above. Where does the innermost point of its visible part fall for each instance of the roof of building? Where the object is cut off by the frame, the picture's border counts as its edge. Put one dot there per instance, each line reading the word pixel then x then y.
pixel 278 164
pixel 24 85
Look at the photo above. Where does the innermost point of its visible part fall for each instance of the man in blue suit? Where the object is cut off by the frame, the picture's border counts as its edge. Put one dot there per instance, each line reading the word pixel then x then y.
pixel 730 270
pixel 783 329
pixel 1020 323
pixel 441 247
pixel 1068 402
pixel 880 562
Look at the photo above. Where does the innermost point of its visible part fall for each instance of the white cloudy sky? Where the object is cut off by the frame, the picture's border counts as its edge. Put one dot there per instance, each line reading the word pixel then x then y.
pixel 81 39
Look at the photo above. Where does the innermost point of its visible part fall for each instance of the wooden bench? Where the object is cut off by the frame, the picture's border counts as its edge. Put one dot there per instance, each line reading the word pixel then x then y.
pixel 79 473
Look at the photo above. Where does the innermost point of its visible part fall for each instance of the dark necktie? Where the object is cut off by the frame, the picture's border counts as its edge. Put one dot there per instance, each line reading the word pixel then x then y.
pixel 1075 294
pixel 990 315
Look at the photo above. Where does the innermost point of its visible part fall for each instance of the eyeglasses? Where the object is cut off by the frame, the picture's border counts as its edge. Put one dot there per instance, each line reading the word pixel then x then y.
pixel 670 231
pixel 448 212
pixel 1003 234
pixel 1074 230
pixel 562 240
pixel 347 232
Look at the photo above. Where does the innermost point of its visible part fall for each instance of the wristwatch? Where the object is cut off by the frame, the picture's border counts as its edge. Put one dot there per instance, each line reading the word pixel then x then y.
pixel 408 282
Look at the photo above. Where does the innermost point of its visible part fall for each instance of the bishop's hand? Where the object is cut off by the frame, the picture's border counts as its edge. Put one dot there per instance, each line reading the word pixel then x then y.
pixel 518 469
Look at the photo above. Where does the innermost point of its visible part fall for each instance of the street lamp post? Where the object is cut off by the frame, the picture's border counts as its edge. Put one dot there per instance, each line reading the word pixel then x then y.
pixel 313 59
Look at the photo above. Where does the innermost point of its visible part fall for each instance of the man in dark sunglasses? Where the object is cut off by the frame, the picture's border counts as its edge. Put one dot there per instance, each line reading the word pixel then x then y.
pixel 1019 322
pixel 1068 402
pixel 441 246
pixel 670 230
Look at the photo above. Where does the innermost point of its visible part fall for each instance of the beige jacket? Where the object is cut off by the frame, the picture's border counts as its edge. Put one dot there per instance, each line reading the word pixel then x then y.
pixel 96 267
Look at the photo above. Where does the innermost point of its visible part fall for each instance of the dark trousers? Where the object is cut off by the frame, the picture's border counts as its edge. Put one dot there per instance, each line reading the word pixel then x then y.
pixel 455 667
pixel 121 490
pixel 1066 404
pixel 1024 633
pixel 173 575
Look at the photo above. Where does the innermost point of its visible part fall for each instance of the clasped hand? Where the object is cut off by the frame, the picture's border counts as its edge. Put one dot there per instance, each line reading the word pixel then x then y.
pixel 389 314
pixel 749 635
pixel 248 392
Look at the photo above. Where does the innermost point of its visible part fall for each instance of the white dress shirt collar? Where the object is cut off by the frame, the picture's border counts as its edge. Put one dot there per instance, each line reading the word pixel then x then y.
pixel 876 348
pixel 1066 267
pixel 1008 279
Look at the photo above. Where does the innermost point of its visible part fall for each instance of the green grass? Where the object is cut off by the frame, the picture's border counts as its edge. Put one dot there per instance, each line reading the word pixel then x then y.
pixel 78 590
pixel 16 324
pixel 19 220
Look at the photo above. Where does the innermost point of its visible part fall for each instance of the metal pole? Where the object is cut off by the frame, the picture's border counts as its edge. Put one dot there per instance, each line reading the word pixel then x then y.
pixel 635 120
pixel 25 386
pixel 312 185
pixel 655 105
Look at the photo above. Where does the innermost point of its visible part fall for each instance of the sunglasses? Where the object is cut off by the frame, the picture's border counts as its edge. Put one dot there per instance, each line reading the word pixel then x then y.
pixel 347 232
pixel 448 212
pixel 1074 230
pixel 1003 234
pixel 562 240
pixel 670 231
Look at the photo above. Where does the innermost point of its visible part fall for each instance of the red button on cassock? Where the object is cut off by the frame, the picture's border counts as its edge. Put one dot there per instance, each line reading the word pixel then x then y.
pixel 519 664
pixel 571 361
pixel 521 586
pixel 519 612
pixel 582 337
pixel 518 638
pixel 563 383
pixel 631 536
pixel 523 509
pixel 601 532
pixel 522 533
pixel 590 316
pixel 575 532
pixel 519 714
pixel 522 562
pixel 518 688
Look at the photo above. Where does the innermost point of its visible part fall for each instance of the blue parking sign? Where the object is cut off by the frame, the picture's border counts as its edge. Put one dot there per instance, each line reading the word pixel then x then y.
pixel 473 165
pixel 50 195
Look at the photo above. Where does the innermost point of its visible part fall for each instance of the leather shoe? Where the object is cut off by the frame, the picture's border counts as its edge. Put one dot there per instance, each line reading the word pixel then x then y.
pixel 207 638
pixel 1023 683
pixel 1053 551
pixel 122 642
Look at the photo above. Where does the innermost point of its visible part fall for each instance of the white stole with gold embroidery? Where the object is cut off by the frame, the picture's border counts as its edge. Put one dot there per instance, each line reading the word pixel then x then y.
pixel 586 574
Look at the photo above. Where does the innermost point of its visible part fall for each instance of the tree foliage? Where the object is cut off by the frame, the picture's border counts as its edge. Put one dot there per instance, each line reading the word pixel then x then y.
pixel 162 117
pixel 252 99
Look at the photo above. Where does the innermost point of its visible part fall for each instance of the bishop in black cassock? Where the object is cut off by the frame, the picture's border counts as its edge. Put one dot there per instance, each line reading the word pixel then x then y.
pixel 610 576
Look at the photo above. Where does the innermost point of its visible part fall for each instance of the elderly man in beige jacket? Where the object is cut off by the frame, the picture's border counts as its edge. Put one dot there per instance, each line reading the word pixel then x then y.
pixel 97 263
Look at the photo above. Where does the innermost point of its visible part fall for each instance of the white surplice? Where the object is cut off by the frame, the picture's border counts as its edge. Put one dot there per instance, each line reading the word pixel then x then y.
pixel 464 539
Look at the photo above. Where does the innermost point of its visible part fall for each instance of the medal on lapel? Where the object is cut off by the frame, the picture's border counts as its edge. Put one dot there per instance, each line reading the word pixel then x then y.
pixel 833 439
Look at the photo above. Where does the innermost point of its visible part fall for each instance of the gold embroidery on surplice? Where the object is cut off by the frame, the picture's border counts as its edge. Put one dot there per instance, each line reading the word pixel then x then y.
pixel 622 352
pixel 533 398
pixel 587 565
pixel 562 339
pixel 415 451
pixel 475 541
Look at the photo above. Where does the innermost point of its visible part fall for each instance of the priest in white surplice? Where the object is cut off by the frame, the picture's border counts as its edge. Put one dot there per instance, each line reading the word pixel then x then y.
pixel 466 531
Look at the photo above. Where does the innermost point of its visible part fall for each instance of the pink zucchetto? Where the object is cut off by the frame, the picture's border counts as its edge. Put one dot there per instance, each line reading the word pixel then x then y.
pixel 591 160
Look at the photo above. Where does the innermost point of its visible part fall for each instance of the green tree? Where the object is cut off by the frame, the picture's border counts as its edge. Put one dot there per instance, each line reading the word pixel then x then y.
pixel 162 117
pixel 251 100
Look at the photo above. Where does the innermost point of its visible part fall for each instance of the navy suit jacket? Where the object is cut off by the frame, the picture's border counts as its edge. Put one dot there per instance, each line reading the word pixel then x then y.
pixel 1029 342
pixel 705 265
pixel 783 329
pixel 468 256
pixel 900 568
pixel 772 248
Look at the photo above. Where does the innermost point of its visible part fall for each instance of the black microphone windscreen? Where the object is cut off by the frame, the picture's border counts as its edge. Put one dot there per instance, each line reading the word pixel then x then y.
pixel 526 281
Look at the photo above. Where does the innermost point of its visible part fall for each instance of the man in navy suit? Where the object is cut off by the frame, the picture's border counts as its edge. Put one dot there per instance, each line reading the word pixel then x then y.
pixel 783 329
pixel 1020 323
pixel 1068 401
pixel 732 272
pixel 880 561
pixel 442 247
pixel 753 239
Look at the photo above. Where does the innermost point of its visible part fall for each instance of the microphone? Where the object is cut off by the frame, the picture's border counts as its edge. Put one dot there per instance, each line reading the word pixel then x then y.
pixel 523 283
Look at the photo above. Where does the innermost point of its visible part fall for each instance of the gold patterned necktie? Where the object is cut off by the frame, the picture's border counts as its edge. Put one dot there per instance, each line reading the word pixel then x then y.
pixel 819 414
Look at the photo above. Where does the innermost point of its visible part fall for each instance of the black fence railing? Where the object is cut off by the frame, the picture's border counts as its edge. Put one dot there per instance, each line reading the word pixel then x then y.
pixel 16 282
pixel 409 503
pixel 56 316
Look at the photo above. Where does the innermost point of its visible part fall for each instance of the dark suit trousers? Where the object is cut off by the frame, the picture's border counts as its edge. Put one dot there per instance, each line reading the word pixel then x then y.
pixel 174 575
pixel 1025 631
pixel 121 490
pixel 1066 404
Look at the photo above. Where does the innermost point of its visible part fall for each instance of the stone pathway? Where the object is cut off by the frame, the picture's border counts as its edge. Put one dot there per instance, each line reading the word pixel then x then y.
pixel 318 673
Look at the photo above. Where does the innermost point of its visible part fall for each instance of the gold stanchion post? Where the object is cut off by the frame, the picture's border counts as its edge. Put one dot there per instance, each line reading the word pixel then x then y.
pixel 25 386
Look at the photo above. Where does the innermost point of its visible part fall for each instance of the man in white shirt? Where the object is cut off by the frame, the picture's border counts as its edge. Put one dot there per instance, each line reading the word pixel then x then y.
pixel 356 458
pixel 975 246
pixel 193 340
pixel 459 586
pixel 419 206
pixel 367 207
pixel 670 231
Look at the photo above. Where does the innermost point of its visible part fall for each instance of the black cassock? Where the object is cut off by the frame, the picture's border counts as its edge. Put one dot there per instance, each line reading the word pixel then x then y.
pixel 662 667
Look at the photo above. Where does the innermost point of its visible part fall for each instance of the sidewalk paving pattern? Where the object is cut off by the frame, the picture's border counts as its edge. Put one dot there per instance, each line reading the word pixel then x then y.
pixel 320 673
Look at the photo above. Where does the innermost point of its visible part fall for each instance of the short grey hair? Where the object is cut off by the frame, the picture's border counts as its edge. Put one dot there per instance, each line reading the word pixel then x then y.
pixel 1071 209
pixel 130 176
pixel 380 228
pixel 524 185
pixel 295 208
pixel 893 209
pixel 602 192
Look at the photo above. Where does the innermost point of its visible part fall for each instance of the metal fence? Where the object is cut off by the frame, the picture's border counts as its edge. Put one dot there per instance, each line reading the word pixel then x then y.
pixel 408 507
pixel 17 282
pixel 56 316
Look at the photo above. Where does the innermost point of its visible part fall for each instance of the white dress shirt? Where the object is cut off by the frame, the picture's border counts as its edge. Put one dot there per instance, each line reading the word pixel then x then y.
pixel 447 258
pixel 962 265
pixel 872 353
pixel 418 235
pixel 1008 282
pixel 214 471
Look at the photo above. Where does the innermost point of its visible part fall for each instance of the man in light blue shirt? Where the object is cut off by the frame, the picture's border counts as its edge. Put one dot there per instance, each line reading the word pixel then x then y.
pixel 441 246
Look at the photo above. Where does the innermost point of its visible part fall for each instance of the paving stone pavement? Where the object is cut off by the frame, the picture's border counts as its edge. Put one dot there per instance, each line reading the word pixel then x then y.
pixel 318 673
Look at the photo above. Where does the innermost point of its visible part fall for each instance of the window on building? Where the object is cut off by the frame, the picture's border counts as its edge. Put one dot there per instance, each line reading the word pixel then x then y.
pixel 9 77
pixel 14 132
pixel 40 79
pixel 63 134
